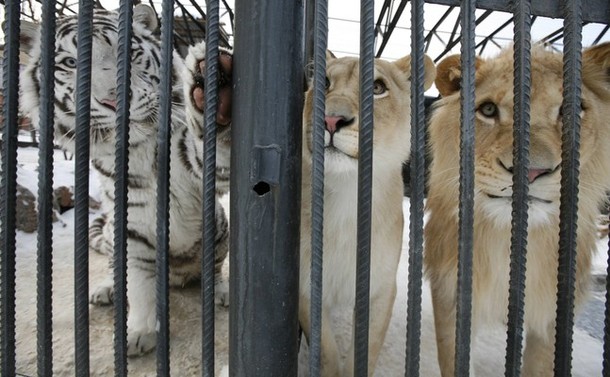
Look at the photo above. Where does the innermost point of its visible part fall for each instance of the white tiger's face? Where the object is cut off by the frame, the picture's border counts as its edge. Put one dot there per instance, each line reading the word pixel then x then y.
pixel 144 88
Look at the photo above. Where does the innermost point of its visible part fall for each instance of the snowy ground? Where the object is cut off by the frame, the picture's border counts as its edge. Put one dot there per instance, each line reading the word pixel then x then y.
pixel 488 353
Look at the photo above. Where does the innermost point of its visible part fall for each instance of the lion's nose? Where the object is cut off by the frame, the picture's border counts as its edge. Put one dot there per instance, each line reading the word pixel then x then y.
pixel 334 123
pixel 532 173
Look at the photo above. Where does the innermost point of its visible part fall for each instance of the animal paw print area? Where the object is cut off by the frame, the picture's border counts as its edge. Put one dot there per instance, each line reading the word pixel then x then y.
pixel 225 83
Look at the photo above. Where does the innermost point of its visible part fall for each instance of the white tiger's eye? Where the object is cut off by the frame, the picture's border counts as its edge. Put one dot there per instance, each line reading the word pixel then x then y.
pixel 69 62
pixel 379 87
pixel 488 109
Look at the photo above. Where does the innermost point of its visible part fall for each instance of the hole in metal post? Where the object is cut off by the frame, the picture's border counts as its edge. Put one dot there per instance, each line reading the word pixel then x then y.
pixel 261 188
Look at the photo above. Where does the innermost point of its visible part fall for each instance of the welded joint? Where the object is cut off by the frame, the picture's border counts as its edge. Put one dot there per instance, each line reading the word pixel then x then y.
pixel 265 168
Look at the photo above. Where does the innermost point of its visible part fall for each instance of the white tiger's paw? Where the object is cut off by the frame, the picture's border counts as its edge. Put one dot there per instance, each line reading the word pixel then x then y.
pixel 102 295
pixel 140 342
pixel 193 79
pixel 221 292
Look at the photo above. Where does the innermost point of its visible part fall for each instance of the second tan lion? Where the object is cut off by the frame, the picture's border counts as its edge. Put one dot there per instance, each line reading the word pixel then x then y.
pixel 391 145
pixel 493 175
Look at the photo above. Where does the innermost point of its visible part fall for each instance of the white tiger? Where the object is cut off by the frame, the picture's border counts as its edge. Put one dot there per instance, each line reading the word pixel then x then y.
pixel 185 214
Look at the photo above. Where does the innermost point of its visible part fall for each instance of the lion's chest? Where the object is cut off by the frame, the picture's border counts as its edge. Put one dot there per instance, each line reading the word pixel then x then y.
pixel 341 247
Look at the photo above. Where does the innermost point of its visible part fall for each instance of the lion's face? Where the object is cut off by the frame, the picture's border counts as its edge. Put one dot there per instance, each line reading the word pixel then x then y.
pixel 391 137
pixel 494 132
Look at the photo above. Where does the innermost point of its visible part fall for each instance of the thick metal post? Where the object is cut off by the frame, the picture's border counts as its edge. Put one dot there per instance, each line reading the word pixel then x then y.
pixel 265 187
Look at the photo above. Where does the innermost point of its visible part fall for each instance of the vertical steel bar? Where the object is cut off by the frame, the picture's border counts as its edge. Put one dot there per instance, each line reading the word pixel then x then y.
pixel 606 358
pixel 572 66
pixel 81 187
pixel 317 184
pixel 466 212
pixel 120 192
pixel 44 287
pixel 265 187
pixel 163 182
pixel 418 167
pixel 209 185
pixel 521 142
pixel 365 182
pixel 8 183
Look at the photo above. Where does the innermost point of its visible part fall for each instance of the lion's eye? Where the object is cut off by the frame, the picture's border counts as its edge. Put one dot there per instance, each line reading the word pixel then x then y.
pixel 488 109
pixel 327 83
pixel 379 87
pixel 69 62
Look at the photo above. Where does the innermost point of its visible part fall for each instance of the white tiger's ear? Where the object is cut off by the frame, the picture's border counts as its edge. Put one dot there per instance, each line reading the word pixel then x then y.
pixel 146 16
pixel 29 33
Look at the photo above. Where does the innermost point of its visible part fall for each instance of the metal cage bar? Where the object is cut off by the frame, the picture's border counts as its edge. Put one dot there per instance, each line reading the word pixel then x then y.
pixel 81 188
pixel 365 183
pixel 521 142
pixel 418 167
pixel 606 352
pixel 466 212
pixel 320 37
pixel 568 217
pixel 265 187
pixel 120 192
pixel 209 185
pixel 8 184
pixel 44 288
pixel 163 182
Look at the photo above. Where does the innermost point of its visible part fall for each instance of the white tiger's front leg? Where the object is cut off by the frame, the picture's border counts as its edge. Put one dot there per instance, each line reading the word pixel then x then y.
pixel 104 292
pixel 142 317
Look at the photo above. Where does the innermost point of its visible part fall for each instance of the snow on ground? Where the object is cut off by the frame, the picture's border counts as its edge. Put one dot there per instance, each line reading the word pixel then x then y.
pixel 488 351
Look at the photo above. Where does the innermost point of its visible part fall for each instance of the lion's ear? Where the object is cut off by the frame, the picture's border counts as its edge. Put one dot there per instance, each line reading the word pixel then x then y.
pixel 404 64
pixel 596 59
pixel 449 74
pixel 330 55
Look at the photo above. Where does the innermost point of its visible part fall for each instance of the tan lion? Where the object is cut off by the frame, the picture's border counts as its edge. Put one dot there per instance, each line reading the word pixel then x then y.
pixel 391 146
pixel 493 189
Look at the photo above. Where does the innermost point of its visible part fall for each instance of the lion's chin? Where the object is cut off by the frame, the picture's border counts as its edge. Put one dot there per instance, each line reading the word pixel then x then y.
pixel 336 161
pixel 540 212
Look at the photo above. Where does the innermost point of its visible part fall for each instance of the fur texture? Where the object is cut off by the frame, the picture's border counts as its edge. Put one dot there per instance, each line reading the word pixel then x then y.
pixel 391 146
pixel 493 190
pixel 185 212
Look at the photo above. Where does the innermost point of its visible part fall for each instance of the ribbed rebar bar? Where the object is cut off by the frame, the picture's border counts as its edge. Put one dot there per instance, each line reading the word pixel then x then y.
pixel 365 182
pixel 606 358
pixel 521 143
pixel 418 183
pixel 209 185
pixel 120 192
pixel 163 183
pixel 8 184
pixel 568 207
pixel 317 183
pixel 466 211
pixel 44 287
pixel 81 188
